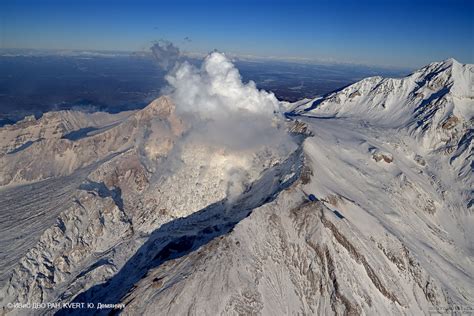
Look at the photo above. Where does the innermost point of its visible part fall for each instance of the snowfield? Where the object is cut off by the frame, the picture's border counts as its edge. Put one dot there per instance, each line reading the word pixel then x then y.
pixel 365 206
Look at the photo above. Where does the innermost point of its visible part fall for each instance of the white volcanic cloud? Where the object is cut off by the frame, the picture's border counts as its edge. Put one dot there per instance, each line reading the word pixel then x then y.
pixel 228 115
pixel 216 90
pixel 223 110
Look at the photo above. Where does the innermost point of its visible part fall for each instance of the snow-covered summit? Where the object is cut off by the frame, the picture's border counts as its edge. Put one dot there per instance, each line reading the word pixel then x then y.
pixel 435 92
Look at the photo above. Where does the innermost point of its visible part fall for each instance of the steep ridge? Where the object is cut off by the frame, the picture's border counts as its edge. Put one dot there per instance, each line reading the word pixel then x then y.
pixel 62 154
pixel 432 93
pixel 289 256
pixel 52 125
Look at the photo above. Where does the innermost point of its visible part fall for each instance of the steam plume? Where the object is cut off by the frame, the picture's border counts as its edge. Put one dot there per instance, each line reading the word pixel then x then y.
pixel 165 53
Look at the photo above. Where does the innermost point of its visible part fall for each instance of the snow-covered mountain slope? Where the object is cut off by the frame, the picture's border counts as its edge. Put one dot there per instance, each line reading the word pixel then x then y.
pixel 368 210
pixel 52 125
pixel 380 241
pixel 434 106
pixel 67 141
pixel 428 96
pixel 391 233
pixel 289 257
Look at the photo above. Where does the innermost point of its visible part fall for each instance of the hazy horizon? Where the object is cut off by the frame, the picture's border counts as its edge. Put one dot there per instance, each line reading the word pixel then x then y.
pixel 404 34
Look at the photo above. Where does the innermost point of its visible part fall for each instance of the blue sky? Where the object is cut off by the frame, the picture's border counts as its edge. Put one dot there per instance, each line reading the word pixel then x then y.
pixel 384 32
